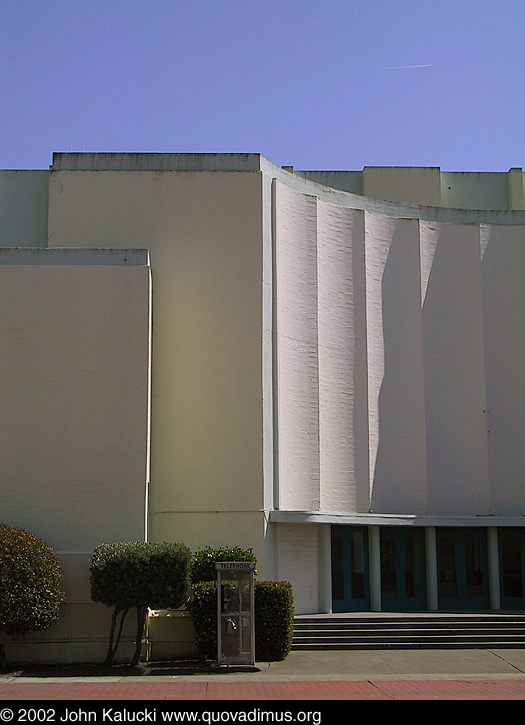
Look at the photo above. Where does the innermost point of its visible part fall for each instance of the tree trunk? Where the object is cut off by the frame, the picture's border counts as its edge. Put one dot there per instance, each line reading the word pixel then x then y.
pixel 141 623
pixel 112 649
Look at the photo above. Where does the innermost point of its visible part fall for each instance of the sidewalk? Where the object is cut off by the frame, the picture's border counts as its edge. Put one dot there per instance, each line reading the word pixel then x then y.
pixel 327 675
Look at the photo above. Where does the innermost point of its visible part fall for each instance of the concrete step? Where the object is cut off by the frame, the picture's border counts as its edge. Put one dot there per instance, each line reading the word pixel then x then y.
pixel 432 630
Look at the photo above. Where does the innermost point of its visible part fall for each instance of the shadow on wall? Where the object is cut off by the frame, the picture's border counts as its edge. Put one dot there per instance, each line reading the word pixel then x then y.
pixel 503 263
pixel 451 402
pixel 399 474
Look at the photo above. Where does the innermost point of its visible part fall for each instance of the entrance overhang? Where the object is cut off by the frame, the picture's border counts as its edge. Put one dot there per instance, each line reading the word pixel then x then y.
pixel 373 519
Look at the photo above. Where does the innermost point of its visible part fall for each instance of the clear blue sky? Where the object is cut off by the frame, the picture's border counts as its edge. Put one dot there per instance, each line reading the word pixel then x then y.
pixel 335 84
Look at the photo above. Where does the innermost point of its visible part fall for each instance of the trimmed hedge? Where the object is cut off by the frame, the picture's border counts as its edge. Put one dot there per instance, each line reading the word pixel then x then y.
pixel 140 575
pixel 202 606
pixel 202 564
pixel 30 582
pixel 273 619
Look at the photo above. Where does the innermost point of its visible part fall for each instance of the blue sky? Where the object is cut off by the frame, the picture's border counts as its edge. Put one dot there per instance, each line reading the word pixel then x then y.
pixel 318 85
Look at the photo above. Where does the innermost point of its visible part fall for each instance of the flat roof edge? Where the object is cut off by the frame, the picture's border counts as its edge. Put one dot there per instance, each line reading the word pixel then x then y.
pixel 74 256
pixel 155 162
pixel 373 519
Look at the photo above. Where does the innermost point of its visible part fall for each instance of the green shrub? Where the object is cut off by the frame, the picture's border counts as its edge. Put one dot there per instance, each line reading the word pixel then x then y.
pixel 30 582
pixel 202 606
pixel 138 575
pixel 273 619
pixel 202 564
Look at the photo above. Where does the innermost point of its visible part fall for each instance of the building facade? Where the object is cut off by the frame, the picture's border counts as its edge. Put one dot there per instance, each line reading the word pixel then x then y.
pixel 323 366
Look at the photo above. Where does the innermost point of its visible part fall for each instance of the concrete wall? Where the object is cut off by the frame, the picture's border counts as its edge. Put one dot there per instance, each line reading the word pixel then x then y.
pixel 297 554
pixel 468 190
pixel 409 185
pixel 23 208
pixel 74 420
pixel 429 186
pixel 203 230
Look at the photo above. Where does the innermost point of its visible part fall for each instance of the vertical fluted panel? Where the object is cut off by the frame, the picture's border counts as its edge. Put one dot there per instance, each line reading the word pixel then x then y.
pixel 338 230
pixel 396 406
pixel 455 402
pixel 503 262
pixel 297 356
pixel 400 345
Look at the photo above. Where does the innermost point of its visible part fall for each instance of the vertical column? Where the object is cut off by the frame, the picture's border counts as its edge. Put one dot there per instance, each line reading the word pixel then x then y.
pixel 297 350
pixel 325 568
pixel 431 568
pixel 516 189
pixel 340 350
pixel 374 553
pixel 494 576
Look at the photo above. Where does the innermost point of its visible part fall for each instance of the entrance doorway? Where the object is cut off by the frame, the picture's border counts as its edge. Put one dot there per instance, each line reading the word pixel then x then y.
pixel 512 567
pixel 402 569
pixel 462 568
pixel 350 582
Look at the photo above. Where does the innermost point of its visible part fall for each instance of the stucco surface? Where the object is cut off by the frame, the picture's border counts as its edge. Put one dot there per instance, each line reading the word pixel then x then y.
pixel 203 231
pixel 74 389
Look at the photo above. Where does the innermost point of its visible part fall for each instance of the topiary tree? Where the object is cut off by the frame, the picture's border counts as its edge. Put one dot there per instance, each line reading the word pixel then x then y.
pixel 30 582
pixel 138 575
pixel 202 564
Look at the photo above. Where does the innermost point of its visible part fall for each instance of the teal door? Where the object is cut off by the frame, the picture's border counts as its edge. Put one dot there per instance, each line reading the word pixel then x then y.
pixel 512 568
pixel 402 569
pixel 462 569
pixel 350 583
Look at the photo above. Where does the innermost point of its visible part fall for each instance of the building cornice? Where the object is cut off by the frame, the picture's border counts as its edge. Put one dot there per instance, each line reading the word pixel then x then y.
pixel 374 519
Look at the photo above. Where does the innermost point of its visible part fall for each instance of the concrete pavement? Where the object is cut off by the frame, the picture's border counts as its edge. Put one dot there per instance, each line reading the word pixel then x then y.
pixel 463 674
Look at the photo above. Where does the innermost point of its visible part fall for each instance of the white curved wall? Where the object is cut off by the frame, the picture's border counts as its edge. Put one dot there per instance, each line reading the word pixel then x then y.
pixel 400 347
pixel 341 353
pixel 298 366
pixel 455 405
pixel 396 406
pixel 321 371
pixel 502 265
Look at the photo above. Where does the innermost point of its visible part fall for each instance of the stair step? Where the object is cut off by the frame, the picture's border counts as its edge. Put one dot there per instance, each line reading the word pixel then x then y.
pixel 409 645
pixel 411 631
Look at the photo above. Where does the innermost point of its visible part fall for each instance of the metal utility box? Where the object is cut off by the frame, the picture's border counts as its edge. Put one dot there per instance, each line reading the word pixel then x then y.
pixel 235 613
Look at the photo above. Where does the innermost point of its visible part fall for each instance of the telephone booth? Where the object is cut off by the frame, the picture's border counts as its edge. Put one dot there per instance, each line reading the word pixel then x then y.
pixel 235 613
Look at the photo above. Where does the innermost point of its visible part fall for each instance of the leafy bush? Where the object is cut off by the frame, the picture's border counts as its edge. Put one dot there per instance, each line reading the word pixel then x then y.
pixel 202 564
pixel 140 575
pixel 30 582
pixel 202 606
pixel 273 619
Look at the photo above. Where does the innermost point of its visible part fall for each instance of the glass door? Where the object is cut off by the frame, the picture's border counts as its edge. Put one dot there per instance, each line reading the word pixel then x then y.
pixel 350 581
pixel 402 569
pixel 512 564
pixel 462 568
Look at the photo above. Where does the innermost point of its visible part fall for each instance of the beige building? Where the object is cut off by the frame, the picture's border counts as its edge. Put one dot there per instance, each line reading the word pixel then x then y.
pixel 324 366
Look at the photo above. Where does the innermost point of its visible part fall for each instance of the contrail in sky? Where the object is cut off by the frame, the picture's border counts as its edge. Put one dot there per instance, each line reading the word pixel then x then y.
pixel 404 67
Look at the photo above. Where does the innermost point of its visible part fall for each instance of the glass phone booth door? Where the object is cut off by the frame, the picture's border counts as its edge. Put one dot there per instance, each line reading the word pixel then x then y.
pixel 235 613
